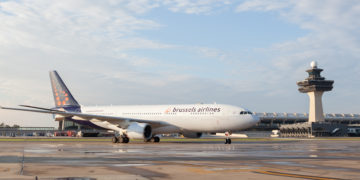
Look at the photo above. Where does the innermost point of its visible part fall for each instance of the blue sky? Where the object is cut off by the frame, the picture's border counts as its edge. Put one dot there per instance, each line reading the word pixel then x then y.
pixel 244 53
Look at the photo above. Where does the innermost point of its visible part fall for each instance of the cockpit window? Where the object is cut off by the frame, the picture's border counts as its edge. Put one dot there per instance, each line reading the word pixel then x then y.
pixel 245 112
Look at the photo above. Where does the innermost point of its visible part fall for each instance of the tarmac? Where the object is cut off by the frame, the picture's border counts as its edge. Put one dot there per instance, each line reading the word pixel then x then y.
pixel 259 159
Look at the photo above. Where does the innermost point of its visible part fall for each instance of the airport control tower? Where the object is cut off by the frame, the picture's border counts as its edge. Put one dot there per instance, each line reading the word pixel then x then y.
pixel 315 86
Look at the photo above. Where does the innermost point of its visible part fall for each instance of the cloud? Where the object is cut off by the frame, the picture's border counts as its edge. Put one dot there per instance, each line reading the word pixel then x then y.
pixel 142 6
pixel 195 7
pixel 332 39
pixel 63 26
pixel 333 29
pixel 38 36
pixel 262 5
pixel 212 53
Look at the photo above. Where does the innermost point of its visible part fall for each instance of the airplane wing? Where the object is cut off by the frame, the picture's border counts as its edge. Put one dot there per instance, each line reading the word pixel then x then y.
pixel 121 121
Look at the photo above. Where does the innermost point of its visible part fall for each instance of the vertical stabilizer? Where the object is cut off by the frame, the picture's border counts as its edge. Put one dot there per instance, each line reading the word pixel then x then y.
pixel 62 95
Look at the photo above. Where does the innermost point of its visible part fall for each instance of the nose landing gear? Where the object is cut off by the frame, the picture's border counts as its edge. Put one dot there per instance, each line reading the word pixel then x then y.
pixel 227 135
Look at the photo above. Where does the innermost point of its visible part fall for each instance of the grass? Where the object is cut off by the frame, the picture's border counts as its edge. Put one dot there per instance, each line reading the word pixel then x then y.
pixel 220 139
pixel 54 140
pixel 166 139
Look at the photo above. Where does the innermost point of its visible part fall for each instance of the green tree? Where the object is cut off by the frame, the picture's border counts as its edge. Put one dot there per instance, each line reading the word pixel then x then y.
pixel 15 126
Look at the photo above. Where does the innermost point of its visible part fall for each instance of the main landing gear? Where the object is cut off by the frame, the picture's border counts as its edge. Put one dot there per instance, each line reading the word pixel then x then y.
pixel 154 139
pixel 120 139
pixel 125 139
pixel 227 141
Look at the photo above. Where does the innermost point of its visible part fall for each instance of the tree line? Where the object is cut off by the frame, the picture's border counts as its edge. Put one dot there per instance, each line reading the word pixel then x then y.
pixel 3 125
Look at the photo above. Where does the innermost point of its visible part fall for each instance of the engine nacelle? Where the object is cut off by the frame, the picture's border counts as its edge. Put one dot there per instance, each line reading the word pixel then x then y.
pixel 190 134
pixel 139 131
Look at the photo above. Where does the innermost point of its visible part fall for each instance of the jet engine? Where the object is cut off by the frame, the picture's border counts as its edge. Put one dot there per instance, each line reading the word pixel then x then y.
pixel 190 134
pixel 139 131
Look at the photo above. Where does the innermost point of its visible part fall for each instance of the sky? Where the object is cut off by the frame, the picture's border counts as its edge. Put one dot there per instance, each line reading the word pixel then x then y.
pixel 126 52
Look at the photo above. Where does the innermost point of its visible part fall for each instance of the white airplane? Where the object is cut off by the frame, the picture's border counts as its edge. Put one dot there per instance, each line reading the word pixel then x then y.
pixel 145 121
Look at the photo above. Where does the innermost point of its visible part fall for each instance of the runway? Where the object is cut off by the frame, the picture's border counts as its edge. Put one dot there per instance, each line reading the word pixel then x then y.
pixel 261 159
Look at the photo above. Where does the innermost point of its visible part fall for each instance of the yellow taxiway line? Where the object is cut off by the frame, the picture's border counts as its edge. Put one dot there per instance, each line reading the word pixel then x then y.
pixel 295 175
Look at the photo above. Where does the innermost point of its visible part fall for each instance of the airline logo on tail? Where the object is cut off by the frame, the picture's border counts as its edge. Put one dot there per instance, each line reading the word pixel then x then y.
pixel 62 95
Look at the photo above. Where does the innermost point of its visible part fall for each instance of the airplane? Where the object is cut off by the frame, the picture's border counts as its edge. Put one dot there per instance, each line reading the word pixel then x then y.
pixel 145 121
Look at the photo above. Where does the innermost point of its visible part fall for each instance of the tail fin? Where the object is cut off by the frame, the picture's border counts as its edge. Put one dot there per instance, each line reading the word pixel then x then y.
pixel 62 95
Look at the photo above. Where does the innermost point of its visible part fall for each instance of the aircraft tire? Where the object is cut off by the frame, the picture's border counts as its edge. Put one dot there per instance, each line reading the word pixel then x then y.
pixel 156 139
pixel 229 141
pixel 126 140
pixel 115 140
pixel 121 139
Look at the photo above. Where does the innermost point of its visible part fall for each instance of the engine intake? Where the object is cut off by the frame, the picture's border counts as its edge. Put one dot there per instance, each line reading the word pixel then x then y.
pixel 139 131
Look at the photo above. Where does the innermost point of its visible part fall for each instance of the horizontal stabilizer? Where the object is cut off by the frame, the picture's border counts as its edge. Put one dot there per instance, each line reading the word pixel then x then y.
pixel 34 107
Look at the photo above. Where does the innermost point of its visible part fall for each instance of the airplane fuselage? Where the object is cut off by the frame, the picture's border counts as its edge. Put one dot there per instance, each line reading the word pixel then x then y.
pixel 190 117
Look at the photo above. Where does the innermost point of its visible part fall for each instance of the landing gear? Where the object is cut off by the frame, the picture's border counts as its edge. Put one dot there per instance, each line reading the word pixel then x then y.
pixel 154 139
pixel 120 139
pixel 227 141
pixel 126 140
pixel 227 135
pixel 115 139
